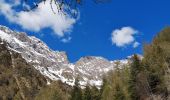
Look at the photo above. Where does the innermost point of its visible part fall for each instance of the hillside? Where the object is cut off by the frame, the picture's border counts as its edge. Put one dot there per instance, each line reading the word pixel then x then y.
pixel 54 64
pixel 30 70
pixel 18 79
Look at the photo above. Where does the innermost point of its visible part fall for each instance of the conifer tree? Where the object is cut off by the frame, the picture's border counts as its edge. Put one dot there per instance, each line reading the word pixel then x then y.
pixel 119 95
pixel 156 61
pixel 134 70
pixel 87 93
pixel 95 93
pixel 76 93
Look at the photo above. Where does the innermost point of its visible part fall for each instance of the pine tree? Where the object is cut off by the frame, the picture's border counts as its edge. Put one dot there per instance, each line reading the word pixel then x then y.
pixel 105 89
pixel 95 93
pixel 87 93
pixel 156 63
pixel 76 93
pixel 119 95
pixel 134 70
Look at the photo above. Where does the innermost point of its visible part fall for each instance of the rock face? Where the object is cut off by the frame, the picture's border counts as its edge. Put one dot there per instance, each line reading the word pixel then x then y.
pixel 54 65
pixel 91 69
pixel 18 79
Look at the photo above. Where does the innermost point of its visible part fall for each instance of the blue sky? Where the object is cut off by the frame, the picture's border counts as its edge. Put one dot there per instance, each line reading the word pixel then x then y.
pixel 92 33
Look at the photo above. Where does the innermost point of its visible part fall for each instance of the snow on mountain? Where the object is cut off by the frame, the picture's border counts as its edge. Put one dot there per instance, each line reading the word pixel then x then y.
pixel 54 64
pixel 50 63
pixel 91 69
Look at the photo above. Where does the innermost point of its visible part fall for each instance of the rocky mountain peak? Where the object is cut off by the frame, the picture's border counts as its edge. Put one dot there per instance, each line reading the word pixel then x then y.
pixel 54 64
pixel 18 79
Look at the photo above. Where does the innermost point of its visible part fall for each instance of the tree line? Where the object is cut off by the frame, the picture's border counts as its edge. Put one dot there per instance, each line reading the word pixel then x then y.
pixel 141 79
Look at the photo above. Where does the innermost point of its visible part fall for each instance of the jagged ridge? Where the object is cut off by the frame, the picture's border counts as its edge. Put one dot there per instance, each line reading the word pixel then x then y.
pixel 18 79
pixel 54 64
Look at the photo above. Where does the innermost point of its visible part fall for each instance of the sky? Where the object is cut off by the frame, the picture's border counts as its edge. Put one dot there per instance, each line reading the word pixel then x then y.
pixel 113 30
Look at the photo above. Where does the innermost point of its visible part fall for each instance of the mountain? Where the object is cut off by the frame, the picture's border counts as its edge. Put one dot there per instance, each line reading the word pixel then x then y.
pixel 54 65
pixel 18 79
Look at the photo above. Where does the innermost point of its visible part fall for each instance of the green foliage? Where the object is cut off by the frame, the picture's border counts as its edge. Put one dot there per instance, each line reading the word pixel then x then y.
pixel 87 93
pixel 146 79
pixel 54 91
pixel 18 80
pixel 134 71
pixel 157 63
pixel 76 93
pixel 119 95
pixel 115 85
pixel 95 93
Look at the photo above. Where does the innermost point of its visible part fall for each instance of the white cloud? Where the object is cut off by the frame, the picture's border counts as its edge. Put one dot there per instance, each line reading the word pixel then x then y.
pixel 136 44
pixel 124 36
pixel 40 18
pixel 16 2
pixel 66 40
pixel 25 6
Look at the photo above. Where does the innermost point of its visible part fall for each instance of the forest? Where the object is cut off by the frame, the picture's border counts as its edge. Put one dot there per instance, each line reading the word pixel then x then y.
pixel 142 79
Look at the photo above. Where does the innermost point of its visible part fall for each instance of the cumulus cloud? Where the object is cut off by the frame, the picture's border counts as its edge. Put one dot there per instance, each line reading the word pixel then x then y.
pixel 66 40
pixel 124 36
pixel 39 18
pixel 136 44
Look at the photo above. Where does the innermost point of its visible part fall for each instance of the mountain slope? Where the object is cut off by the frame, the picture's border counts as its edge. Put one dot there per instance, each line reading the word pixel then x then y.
pixel 54 65
pixel 18 79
